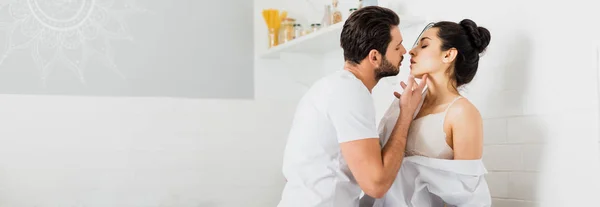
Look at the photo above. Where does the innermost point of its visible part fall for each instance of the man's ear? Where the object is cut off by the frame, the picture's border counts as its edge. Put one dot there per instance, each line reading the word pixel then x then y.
pixel 375 58
pixel 450 55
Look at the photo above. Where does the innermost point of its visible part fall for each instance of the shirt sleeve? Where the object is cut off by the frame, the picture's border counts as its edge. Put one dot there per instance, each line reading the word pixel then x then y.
pixel 352 113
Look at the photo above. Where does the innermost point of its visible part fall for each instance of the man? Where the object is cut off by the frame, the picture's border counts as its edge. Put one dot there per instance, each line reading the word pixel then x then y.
pixel 333 150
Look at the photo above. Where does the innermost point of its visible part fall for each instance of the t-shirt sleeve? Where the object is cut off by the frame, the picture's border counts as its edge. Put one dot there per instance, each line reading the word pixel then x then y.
pixel 352 113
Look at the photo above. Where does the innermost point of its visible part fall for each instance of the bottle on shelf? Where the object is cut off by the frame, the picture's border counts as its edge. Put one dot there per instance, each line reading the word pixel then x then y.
pixel 326 21
pixel 336 15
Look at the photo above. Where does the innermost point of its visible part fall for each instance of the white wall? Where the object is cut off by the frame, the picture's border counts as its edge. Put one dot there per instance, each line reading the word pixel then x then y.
pixel 125 152
pixel 598 90
pixel 537 89
pixel 86 151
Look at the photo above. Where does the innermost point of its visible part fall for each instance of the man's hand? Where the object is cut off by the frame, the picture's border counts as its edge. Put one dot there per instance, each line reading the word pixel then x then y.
pixel 411 96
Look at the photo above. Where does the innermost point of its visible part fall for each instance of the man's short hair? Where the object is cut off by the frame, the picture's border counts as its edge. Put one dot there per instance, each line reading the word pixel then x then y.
pixel 366 29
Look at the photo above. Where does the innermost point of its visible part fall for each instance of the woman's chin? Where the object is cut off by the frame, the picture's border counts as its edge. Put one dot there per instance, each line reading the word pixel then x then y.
pixel 419 75
pixel 416 74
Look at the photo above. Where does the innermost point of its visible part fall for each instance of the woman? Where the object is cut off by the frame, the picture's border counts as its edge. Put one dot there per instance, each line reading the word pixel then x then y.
pixel 448 126
pixel 445 140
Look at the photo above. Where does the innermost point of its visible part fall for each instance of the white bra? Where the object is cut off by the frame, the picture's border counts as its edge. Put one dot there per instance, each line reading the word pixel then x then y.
pixel 426 136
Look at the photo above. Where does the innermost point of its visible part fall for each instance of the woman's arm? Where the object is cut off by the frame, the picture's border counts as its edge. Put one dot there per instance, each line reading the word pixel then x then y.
pixel 467 130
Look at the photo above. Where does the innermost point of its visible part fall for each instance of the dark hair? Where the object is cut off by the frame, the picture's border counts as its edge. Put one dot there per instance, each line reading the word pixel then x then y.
pixel 366 29
pixel 470 40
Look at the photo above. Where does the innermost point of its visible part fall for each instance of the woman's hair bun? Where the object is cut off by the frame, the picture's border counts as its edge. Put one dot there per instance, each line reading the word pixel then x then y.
pixel 479 36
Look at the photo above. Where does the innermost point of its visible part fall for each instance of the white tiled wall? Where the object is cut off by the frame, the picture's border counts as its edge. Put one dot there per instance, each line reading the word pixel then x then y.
pixel 539 97
pixel 598 83
pixel 537 130
pixel 519 150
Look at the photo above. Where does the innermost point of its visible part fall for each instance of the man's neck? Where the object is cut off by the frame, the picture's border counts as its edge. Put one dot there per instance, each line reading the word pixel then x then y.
pixel 365 75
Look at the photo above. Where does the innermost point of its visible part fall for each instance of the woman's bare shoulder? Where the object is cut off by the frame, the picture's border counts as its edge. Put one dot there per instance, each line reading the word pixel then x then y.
pixel 463 110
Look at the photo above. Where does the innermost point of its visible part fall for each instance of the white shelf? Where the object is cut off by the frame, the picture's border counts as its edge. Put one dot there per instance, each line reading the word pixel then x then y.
pixel 324 40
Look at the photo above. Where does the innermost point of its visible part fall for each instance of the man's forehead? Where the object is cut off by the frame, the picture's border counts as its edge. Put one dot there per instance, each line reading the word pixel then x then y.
pixel 396 34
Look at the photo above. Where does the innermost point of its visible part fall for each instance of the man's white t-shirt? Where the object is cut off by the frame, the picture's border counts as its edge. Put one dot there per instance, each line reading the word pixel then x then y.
pixel 338 108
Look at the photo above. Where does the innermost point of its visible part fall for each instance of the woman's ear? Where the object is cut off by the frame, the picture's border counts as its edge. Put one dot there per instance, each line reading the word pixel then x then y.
pixel 450 55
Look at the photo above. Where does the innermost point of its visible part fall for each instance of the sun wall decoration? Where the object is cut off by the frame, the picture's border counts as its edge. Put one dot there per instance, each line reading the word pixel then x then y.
pixel 67 33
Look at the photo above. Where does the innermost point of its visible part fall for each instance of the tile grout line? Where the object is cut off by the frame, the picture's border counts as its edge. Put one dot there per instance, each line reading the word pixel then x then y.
pixel 512 199
pixel 516 144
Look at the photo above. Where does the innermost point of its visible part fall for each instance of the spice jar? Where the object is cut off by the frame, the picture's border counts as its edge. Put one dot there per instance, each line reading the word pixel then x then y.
pixel 298 31
pixel 315 27
pixel 336 15
pixel 273 37
pixel 287 30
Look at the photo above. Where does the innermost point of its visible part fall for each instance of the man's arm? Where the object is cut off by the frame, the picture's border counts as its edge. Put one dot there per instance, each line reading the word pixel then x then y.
pixel 375 169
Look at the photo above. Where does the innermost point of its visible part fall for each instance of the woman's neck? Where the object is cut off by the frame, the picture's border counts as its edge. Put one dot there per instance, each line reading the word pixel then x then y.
pixel 439 90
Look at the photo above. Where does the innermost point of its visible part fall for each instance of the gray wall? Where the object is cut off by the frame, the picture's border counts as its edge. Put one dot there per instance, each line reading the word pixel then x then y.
pixel 175 48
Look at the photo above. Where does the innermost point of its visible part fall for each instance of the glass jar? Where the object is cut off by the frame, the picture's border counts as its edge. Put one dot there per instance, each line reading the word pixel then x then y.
pixel 352 10
pixel 298 31
pixel 336 15
pixel 273 37
pixel 287 30
pixel 315 27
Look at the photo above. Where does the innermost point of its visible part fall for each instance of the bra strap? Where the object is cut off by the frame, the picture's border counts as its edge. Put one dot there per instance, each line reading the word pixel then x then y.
pixel 449 105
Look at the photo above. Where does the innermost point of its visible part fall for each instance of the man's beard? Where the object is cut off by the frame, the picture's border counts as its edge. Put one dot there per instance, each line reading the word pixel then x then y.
pixel 386 69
